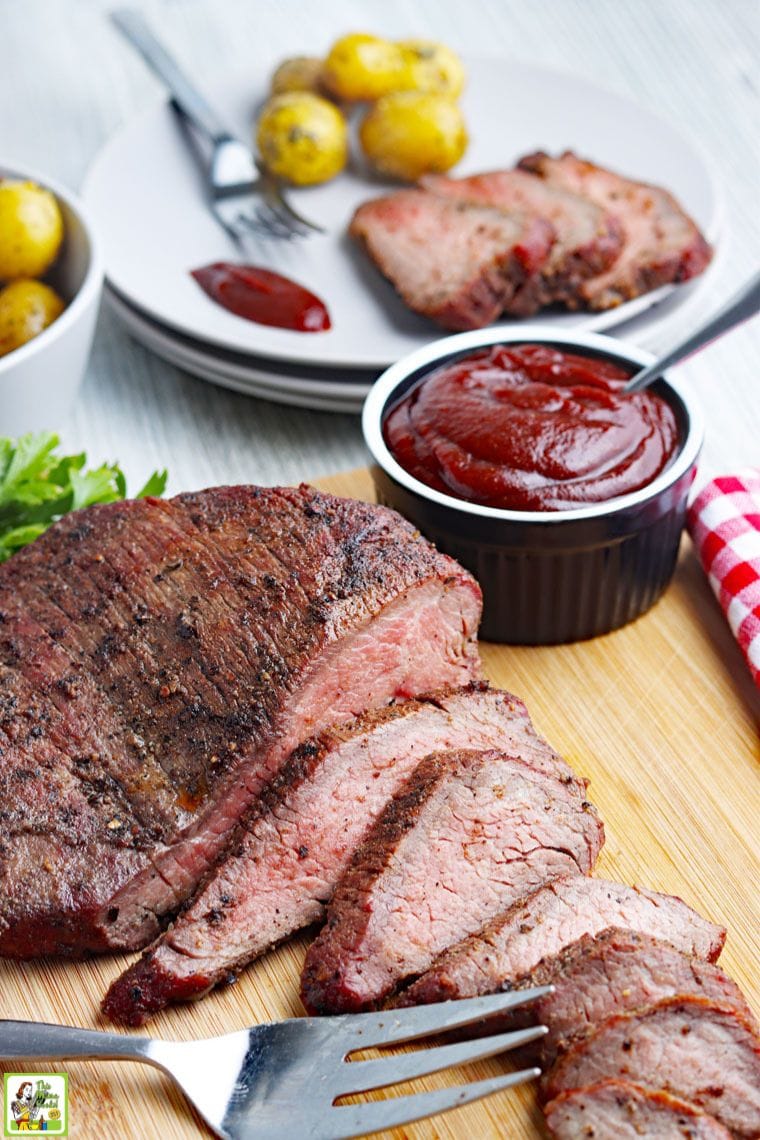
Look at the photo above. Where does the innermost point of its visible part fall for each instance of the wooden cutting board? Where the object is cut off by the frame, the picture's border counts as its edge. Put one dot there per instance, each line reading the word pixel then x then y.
pixel 661 716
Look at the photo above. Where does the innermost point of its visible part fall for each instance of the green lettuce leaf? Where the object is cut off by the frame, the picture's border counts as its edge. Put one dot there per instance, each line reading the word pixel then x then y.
pixel 39 486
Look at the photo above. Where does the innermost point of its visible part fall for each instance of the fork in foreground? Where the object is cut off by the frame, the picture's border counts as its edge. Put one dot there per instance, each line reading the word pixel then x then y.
pixel 244 198
pixel 284 1078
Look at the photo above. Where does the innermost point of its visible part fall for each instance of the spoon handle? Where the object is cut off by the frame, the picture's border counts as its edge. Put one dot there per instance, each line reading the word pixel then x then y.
pixel 741 307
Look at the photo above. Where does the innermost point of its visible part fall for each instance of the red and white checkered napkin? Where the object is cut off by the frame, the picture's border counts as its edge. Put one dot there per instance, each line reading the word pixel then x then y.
pixel 724 521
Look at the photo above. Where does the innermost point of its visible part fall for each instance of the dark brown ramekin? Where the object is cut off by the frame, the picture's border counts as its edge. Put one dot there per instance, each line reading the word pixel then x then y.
pixel 546 576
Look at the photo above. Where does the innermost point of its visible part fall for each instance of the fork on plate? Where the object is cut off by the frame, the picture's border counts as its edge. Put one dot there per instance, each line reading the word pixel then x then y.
pixel 244 197
pixel 283 1078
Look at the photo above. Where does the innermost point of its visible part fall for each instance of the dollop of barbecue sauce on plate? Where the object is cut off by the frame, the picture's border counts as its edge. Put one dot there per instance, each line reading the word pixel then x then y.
pixel 263 296
pixel 531 428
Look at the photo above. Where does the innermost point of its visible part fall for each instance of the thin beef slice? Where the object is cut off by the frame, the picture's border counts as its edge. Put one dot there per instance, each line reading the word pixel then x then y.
pixel 282 869
pixel 691 1047
pixel 557 915
pixel 588 237
pixel 619 1110
pixel 468 834
pixel 619 971
pixel 662 245
pixel 457 263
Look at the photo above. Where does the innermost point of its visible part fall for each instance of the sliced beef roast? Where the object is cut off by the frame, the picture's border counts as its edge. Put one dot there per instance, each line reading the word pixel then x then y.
pixel 469 833
pixel 694 1048
pixel 662 244
pixel 457 263
pixel 555 916
pixel 616 972
pixel 588 237
pixel 281 872
pixel 619 1110
pixel 160 659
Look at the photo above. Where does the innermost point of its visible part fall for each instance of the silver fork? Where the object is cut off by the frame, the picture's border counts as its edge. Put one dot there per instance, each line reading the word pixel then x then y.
pixel 243 196
pixel 283 1079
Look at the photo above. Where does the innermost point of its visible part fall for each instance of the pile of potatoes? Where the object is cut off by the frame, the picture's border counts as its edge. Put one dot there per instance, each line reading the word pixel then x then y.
pixel 412 126
pixel 31 233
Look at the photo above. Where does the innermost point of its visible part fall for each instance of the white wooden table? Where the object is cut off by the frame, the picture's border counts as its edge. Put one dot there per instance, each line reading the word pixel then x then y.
pixel 68 82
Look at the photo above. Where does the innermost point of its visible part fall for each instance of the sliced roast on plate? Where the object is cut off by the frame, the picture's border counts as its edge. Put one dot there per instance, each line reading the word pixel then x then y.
pixel 457 263
pixel 587 240
pixel 553 231
pixel 662 245
pixel 281 870
pixel 161 659
pixel 692 1047
pixel 619 1110
pixel 616 972
pixel 468 834
pixel 553 917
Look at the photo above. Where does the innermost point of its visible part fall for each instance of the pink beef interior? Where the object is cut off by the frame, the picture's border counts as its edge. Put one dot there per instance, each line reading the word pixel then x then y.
pixel 488 830
pixel 556 916
pixel 690 1047
pixel 422 640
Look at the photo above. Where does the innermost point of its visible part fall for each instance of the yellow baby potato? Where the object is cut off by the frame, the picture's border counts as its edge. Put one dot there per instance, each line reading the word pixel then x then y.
pixel 433 67
pixel 410 133
pixel 31 229
pixel 301 73
pixel 360 66
pixel 302 137
pixel 26 308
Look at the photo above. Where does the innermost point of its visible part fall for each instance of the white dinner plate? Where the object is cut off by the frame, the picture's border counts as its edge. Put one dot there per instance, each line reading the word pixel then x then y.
pixel 260 379
pixel 146 200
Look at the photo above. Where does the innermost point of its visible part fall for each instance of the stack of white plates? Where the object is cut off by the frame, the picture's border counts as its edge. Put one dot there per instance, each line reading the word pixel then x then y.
pixel 146 197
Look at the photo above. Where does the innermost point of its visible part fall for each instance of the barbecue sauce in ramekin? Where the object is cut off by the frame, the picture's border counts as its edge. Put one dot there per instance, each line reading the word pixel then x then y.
pixel 531 428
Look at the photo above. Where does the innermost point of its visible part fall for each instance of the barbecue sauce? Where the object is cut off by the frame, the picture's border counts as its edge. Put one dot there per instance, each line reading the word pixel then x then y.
pixel 263 296
pixel 531 428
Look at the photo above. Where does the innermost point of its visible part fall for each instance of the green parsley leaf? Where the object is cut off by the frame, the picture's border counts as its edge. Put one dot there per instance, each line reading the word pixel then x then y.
pixel 38 486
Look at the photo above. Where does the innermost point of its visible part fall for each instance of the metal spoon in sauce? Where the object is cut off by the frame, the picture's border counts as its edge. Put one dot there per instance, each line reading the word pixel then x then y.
pixel 741 307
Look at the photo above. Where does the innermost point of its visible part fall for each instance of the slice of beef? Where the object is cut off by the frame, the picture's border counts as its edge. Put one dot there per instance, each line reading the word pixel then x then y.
pixel 662 244
pixel 457 263
pixel 588 237
pixel 691 1047
pixel 616 972
pixel 555 916
pixel 619 1110
pixel 468 834
pixel 302 834
pixel 160 660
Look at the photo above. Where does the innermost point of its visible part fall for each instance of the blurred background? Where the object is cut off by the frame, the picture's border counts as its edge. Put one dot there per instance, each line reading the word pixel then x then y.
pixel 68 82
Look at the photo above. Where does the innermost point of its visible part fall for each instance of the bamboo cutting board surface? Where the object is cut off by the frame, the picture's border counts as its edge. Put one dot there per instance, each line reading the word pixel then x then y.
pixel 661 716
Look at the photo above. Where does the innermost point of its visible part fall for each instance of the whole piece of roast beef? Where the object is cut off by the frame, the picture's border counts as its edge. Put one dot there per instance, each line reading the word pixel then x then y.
pixel 662 245
pixel 160 659
pixel 619 1110
pixel 468 834
pixel 553 917
pixel 616 972
pixel 281 871
pixel 692 1047
pixel 458 263
pixel 588 237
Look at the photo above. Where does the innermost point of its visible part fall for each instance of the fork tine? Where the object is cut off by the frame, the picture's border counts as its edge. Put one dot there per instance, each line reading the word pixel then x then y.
pixel 279 223
pixel 284 214
pixel 260 225
pixel 272 190
pixel 362 1119
pixel 393 1026
pixel 304 225
pixel 363 1075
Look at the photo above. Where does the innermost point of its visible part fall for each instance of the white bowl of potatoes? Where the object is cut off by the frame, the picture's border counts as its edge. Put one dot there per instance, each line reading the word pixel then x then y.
pixel 50 282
